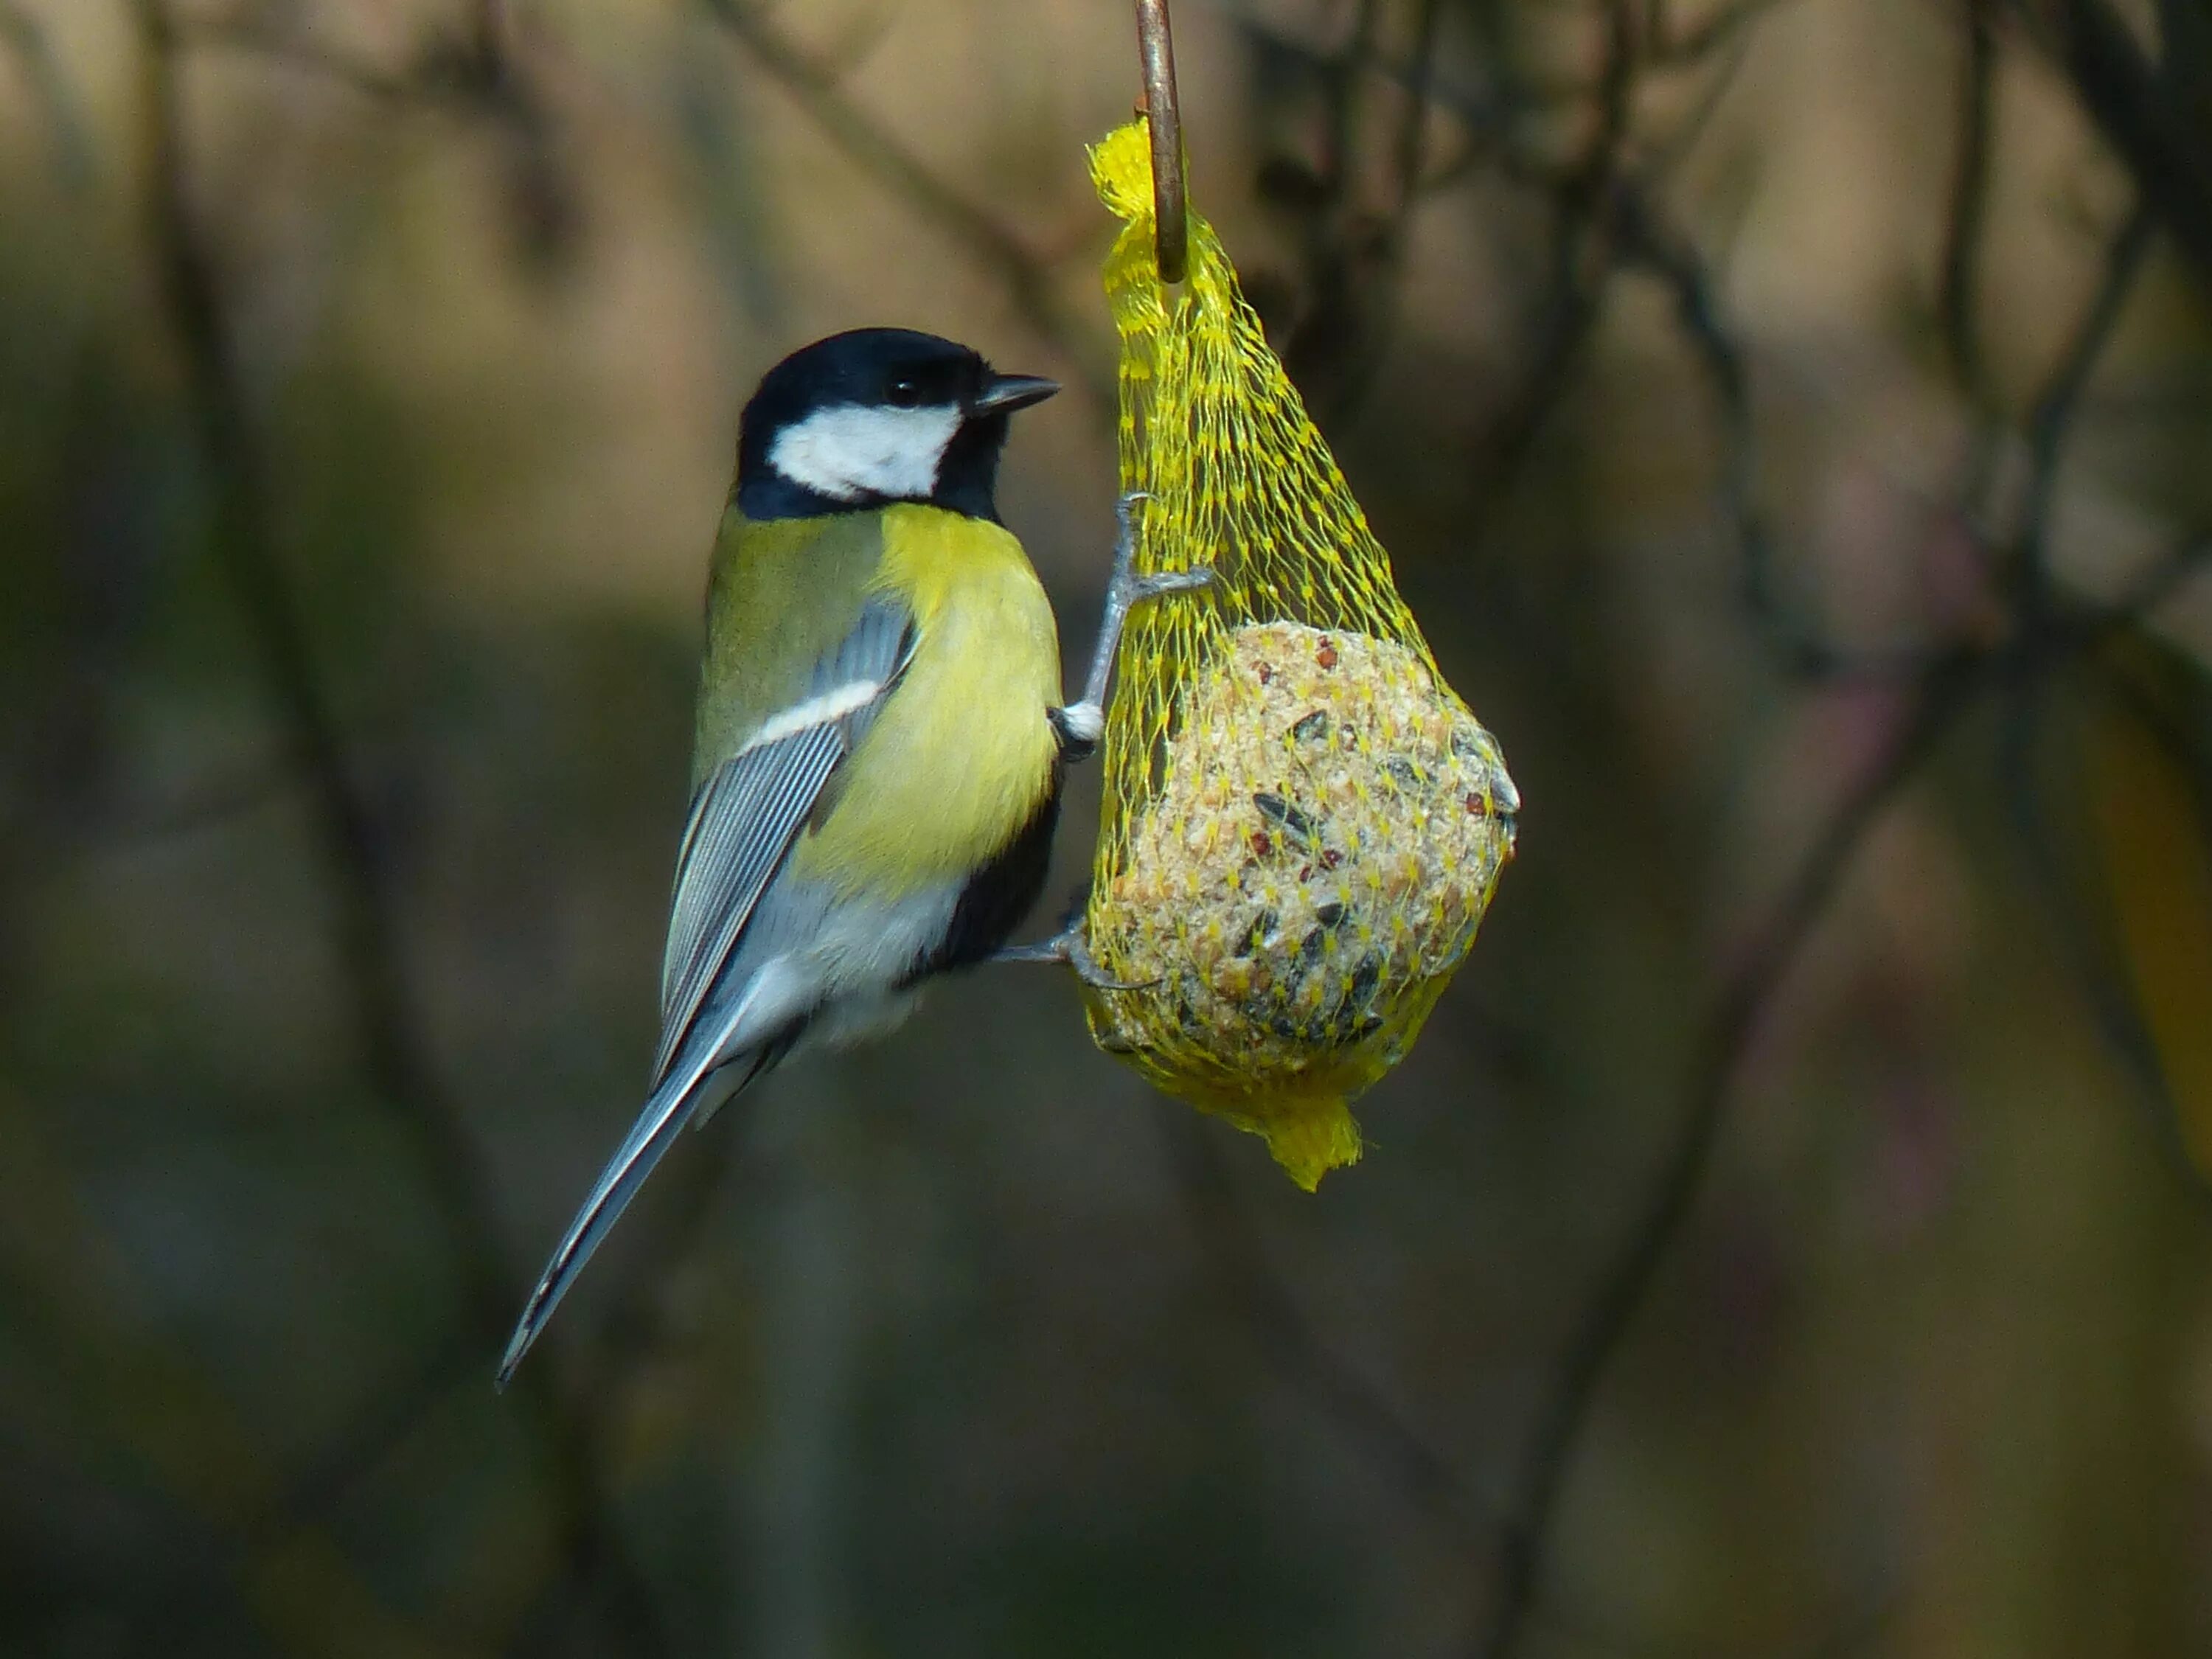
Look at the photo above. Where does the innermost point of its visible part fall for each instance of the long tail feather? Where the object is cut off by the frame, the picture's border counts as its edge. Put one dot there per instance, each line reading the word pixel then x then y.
pixel 673 1106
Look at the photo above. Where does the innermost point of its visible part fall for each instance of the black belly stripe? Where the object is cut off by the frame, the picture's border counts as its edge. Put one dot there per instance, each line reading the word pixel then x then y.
pixel 999 897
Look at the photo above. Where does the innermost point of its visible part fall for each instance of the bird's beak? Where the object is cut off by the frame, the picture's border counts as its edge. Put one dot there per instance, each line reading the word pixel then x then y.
pixel 1002 393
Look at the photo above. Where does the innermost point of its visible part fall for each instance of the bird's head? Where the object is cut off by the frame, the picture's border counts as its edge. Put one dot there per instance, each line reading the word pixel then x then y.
pixel 874 415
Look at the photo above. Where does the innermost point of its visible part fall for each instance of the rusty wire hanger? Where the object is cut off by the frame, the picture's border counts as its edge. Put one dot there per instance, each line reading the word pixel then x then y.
pixel 1163 120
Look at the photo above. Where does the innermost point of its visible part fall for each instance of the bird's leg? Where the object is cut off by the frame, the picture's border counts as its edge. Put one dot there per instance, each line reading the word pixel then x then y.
pixel 1081 724
pixel 1069 946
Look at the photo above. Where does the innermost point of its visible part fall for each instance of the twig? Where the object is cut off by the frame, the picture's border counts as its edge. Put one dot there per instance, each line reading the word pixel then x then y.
pixel 1025 277
pixel 1737 1014
pixel 1366 1415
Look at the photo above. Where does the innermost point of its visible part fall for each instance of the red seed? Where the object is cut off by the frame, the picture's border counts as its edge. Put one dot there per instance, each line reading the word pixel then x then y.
pixel 1261 844
pixel 1478 806
pixel 1266 672
pixel 1330 857
pixel 1326 655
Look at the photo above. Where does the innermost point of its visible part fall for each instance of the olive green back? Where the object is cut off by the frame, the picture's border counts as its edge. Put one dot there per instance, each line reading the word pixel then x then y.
pixel 811 575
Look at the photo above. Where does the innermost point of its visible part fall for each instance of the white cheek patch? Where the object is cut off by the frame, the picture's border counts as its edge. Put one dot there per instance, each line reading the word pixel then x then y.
pixel 850 451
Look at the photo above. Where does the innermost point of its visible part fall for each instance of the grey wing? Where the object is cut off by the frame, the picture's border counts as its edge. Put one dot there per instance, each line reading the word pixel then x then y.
pixel 747 814
pixel 750 808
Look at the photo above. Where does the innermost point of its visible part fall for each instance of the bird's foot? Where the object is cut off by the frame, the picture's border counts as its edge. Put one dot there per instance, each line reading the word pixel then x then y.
pixel 1124 586
pixel 1071 948
pixel 1081 724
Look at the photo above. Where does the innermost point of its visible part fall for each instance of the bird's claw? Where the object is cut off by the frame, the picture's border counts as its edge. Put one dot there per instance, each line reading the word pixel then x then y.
pixel 1125 589
pixel 1168 581
pixel 1125 585
pixel 1071 948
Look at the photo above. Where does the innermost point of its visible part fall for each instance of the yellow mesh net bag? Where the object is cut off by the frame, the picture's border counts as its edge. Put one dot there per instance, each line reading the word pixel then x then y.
pixel 1302 823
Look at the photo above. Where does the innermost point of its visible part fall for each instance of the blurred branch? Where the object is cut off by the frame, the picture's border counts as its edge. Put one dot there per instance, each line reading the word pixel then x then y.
pixel 1386 241
pixel 1735 1019
pixel 243 536
pixel 2130 99
pixel 1587 186
pixel 2056 407
pixel 1410 154
pixel 488 20
pixel 1330 349
pixel 2045 639
pixel 1968 218
pixel 211 803
pixel 1353 258
pixel 76 1290
pixel 1025 277
pixel 640 1324
pixel 1367 1416
pixel 20 33
pixel 2105 986
pixel 293 50
pixel 2080 627
pixel 1581 255
pixel 1725 26
pixel 1943 685
pixel 1370 1422
pixel 2187 744
pixel 1482 112
pixel 394 1048
pixel 474 63
pixel 355 1452
pixel 1675 262
pixel 473 68
pixel 1648 243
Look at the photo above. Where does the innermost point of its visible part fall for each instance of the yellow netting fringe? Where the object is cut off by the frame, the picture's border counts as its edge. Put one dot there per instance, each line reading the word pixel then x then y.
pixel 1302 823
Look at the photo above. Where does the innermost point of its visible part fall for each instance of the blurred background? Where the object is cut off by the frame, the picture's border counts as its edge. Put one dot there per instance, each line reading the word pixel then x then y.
pixel 1790 420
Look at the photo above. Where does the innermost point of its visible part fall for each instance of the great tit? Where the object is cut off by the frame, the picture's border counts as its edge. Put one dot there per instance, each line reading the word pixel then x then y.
pixel 880 740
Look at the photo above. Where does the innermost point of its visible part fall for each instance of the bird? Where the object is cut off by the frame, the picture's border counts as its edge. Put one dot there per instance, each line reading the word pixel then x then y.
pixel 880 740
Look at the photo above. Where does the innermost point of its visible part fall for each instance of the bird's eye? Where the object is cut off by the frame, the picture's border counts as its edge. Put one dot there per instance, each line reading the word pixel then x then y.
pixel 905 394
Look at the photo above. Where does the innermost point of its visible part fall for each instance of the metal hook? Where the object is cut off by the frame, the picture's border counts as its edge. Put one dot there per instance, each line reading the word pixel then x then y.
pixel 1164 119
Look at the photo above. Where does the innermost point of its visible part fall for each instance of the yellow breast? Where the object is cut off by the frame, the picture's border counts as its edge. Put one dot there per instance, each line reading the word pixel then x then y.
pixel 962 756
